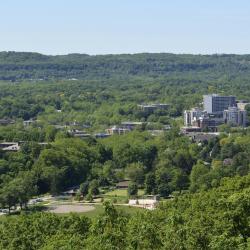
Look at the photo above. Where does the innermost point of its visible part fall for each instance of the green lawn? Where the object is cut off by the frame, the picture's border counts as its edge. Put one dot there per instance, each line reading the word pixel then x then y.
pixel 122 192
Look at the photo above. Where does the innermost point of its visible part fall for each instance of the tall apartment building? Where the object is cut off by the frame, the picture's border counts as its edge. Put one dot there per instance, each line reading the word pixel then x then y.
pixel 187 118
pixel 217 104
pixel 191 116
pixel 235 116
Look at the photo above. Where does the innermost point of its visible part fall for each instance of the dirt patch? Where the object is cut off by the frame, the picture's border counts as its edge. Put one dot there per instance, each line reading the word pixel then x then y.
pixel 63 209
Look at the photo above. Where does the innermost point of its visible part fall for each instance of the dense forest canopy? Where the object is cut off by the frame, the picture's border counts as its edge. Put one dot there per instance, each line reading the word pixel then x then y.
pixel 21 65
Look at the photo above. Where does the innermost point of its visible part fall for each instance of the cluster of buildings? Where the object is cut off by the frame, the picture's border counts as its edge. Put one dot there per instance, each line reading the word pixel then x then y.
pixel 126 127
pixel 122 129
pixel 217 110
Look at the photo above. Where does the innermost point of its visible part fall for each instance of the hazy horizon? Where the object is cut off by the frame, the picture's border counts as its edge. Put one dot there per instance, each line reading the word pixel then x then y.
pixel 136 53
pixel 109 27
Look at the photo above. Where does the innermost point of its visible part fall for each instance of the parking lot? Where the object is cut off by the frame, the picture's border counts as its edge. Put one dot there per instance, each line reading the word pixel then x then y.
pixel 62 209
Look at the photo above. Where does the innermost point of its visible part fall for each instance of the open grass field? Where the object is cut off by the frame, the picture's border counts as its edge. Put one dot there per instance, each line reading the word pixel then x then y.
pixel 122 192
pixel 119 195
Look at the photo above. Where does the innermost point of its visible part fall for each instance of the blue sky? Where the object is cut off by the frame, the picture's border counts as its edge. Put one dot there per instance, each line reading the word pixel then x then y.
pixel 125 26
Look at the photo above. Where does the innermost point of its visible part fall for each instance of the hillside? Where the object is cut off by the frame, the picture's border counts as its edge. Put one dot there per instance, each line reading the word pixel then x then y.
pixel 21 65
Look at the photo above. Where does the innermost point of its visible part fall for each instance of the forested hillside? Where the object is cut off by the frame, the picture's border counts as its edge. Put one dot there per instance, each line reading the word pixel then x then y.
pixel 17 66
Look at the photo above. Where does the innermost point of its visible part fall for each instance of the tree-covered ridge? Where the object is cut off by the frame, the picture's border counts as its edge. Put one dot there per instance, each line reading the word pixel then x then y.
pixel 20 65
pixel 214 219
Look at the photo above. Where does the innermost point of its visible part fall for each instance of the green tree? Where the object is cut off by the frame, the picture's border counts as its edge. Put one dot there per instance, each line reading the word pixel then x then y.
pixel 84 188
pixel 197 176
pixel 150 185
pixel 132 189
pixel 94 187
pixel 135 172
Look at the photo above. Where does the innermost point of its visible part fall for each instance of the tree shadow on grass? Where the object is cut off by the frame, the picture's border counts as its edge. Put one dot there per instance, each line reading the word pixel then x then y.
pixel 37 208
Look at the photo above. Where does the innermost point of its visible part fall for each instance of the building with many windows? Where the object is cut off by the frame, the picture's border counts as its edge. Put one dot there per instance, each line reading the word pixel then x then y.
pixel 192 116
pixel 235 116
pixel 217 104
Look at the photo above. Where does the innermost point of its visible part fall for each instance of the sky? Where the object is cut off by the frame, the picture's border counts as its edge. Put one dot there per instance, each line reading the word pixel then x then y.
pixel 125 26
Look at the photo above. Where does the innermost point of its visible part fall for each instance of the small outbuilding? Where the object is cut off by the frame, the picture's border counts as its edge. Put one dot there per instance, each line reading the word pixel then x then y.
pixel 123 184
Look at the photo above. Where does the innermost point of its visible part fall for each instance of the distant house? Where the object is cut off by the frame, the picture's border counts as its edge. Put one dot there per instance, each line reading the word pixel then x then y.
pixel 150 108
pixel 78 133
pixel 7 144
pixel 117 131
pixel 5 122
pixel 123 184
pixel 72 191
pixel 29 122
pixel 186 130
pixel 101 135
pixel 10 146
pixel 131 125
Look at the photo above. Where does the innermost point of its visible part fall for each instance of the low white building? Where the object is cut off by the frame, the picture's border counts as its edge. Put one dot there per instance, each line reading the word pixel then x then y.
pixel 10 146
pixel 29 122
pixel 149 202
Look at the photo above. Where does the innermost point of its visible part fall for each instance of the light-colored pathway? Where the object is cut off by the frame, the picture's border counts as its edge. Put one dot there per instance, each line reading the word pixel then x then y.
pixel 62 209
